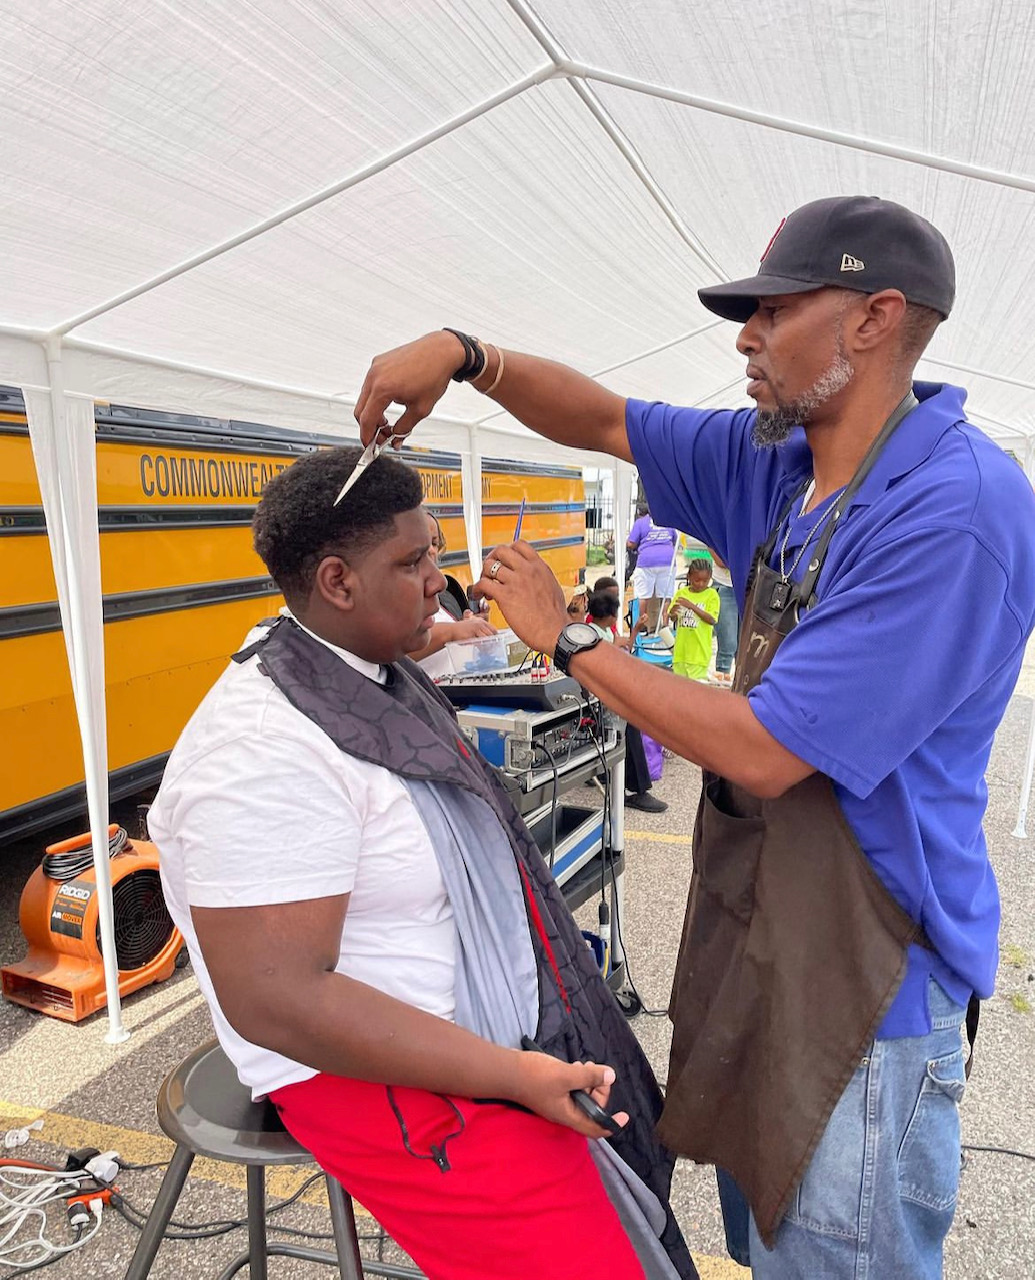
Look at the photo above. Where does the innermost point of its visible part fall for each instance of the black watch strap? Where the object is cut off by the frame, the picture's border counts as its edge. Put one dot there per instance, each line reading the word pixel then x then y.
pixel 474 363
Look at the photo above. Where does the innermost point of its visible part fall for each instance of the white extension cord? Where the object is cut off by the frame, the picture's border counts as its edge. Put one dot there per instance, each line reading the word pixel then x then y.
pixel 26 1193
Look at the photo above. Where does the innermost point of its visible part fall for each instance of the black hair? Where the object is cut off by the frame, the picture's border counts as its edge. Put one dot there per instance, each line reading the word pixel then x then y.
pixel 605 584
pixel 602 605
pixel 916 331
pixel 296 522
pixel 696 565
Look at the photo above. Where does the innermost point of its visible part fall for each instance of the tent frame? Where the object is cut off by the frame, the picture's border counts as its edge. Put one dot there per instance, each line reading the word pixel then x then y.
pixel 52 437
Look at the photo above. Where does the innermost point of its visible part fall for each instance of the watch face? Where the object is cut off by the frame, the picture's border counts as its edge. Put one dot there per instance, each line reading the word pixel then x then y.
pixel 577 633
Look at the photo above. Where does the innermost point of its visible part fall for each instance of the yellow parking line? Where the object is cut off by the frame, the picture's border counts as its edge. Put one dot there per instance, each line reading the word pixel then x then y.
pixel 719 1268
pixel 658 836
pixel 69 1132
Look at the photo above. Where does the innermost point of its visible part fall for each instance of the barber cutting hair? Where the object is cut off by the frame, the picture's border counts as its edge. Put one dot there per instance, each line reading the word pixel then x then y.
pixel 843 911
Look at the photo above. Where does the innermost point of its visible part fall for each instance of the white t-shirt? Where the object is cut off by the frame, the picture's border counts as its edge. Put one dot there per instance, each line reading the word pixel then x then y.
pixel 436 665
pixel 259 806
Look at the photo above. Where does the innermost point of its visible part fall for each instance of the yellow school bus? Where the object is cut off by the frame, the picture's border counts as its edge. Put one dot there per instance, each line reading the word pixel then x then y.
pixel 181 582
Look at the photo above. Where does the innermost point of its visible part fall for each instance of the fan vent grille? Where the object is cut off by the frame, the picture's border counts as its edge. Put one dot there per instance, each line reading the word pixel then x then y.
pixel 142 922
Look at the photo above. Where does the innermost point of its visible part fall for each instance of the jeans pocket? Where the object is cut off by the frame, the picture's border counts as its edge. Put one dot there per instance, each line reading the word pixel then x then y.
pixel 929 1154
pixel 829 1195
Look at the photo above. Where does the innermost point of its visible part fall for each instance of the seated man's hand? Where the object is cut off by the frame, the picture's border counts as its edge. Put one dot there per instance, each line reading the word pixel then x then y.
pixel 545 1086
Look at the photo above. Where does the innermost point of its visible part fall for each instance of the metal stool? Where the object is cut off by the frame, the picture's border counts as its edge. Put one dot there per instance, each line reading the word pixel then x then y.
pixel 206 1111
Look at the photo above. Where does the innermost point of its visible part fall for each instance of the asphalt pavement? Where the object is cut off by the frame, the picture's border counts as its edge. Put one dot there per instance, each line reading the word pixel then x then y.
pixel 90 1093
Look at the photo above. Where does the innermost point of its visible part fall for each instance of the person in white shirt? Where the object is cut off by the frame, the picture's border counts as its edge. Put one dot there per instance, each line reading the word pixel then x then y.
pixel 332 929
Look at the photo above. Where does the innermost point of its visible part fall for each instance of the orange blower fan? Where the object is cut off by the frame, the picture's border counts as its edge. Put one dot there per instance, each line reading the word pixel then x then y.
pixel 63 974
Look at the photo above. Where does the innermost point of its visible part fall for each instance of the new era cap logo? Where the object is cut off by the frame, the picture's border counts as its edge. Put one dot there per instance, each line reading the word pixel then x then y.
pixel 848 263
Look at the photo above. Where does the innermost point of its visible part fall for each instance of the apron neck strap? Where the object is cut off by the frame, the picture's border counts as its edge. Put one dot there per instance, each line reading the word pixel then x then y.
pixel 807 586
pixel 767 548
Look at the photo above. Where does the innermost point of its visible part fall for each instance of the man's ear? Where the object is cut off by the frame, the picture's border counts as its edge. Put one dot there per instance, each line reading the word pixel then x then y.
pixel 335 582
pixel 878 319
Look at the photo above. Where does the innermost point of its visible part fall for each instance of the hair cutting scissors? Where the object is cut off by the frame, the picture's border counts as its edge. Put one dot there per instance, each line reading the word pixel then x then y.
pixel 372 451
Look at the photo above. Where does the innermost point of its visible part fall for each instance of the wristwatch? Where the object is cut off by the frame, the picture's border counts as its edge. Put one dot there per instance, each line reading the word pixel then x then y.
pixel 575 638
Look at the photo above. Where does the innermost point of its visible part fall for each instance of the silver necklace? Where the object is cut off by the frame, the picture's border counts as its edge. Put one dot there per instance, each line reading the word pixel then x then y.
pixel 785 574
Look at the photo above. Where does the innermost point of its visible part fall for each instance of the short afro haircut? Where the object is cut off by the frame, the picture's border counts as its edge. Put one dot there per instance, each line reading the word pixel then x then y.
pixel 296 522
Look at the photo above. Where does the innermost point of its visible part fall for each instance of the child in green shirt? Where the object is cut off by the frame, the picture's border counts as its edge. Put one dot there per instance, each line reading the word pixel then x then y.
pixel 695 611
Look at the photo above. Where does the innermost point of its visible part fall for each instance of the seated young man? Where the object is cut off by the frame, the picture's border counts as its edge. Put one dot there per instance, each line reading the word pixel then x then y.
pixel 375 931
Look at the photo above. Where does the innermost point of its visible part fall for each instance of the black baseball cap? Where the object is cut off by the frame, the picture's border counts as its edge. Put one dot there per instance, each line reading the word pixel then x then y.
pixel 850 242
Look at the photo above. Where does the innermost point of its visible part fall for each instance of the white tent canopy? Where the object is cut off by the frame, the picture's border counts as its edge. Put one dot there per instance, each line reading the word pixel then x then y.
pixel 228 209
pixel 272 192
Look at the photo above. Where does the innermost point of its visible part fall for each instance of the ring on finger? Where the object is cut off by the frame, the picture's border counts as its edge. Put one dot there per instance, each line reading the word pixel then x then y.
pixel 494 569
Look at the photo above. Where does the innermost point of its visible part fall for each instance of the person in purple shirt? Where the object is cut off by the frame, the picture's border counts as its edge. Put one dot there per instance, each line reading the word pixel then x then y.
pixel 653 578
pixel 843 912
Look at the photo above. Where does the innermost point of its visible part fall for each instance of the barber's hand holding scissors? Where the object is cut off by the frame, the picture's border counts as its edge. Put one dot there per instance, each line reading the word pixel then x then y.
pixel 523 586
pixel 415 376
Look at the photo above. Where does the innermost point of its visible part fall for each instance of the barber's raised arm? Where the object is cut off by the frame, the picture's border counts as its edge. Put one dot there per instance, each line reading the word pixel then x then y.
pixel 551 399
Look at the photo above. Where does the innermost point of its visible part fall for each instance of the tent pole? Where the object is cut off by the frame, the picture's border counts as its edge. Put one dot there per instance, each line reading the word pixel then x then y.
pixel 875 146
pixel 978 373
pixel 1020 831
pixel 471 480
pixel 87 689
pixel 622 474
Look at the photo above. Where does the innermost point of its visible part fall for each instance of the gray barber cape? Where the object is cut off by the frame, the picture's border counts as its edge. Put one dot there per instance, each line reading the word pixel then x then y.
pixel 523 967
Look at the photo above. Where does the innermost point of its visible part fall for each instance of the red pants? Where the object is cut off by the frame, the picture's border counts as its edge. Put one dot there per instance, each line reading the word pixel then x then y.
pixel 521 1199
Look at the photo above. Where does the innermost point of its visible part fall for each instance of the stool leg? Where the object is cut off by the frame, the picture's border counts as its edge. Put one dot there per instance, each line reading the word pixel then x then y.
pixel 257 1269
pixel 343 1224
pixel 161 1212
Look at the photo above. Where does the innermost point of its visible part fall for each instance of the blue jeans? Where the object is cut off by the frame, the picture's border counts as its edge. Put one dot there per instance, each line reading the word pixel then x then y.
pixel 726 629
pixel 879 1194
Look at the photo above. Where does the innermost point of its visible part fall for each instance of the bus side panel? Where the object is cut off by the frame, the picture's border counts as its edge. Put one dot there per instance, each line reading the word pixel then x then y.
pixel 157 669
pixel 175 538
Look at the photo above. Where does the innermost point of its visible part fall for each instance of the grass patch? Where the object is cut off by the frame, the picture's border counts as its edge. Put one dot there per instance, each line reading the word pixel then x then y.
pixel 1021 1003
pixel 1016 957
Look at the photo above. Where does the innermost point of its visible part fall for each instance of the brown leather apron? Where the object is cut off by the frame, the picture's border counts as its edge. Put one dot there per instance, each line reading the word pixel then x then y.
pixel 792 949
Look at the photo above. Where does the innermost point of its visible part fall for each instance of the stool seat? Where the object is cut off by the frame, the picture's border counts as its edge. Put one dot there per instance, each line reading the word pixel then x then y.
pixel 203 1105
pixel 206 1111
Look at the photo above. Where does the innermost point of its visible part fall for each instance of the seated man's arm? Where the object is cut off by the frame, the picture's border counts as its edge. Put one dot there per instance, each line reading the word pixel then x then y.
pixel 267 839
pixel 273 972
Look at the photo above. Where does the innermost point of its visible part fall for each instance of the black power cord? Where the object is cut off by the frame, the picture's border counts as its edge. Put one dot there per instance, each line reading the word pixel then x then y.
pixel 73 862
pixel 999 1151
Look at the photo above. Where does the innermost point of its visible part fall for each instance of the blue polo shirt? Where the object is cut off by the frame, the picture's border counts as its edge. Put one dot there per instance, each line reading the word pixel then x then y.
pixel 895 682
